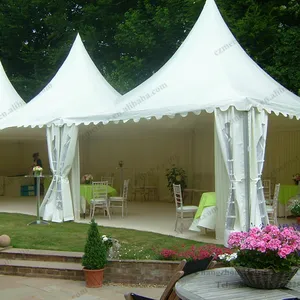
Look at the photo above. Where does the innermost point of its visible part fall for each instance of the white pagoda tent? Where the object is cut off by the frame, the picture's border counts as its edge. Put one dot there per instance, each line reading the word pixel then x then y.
pixel 209 72
pixel 78 87
pixel 9 98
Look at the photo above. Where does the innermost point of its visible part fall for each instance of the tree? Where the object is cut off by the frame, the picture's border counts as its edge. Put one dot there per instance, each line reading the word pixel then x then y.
pixel 153 31
pixel 149 36
pixel 130 40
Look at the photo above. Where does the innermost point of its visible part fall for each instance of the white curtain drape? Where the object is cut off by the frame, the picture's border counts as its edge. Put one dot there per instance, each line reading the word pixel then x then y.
pixel 222 183
pixel 242 140
pixel 75 183
pixel 257 146
pixel 57 205
pixel 230 127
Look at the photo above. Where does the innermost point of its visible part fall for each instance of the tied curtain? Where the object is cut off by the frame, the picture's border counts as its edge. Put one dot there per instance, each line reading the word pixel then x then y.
pixel 75 184
pixel 257 144
pixel 57 205
pixel 241 140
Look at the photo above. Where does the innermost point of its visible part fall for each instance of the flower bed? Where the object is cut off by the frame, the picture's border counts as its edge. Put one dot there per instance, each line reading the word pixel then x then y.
pixel 193 252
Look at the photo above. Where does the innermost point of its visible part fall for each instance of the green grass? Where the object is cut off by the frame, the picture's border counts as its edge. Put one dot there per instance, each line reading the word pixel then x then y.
pixel 71 236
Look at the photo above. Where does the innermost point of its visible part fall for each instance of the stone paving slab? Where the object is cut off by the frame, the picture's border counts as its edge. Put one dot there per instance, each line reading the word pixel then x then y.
pixel 41 264
pixel 42 252
pixel 27 288
pixel 5 248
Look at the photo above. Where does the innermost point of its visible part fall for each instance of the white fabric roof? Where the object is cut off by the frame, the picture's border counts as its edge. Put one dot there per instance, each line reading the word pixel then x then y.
pixel 10 100
pixel 78 88
pixel 210 70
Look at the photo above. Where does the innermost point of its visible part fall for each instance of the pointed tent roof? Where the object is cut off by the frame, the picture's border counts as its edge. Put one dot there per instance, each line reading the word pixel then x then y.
pixel 77 88
pixel 210 70
pixel 10 100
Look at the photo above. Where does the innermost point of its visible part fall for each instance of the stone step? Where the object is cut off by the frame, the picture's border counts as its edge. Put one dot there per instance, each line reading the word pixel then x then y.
pixel 67 265
pixel 49 269
pixel 41 255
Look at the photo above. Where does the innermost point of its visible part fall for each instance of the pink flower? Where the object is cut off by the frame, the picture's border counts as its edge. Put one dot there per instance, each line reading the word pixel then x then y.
pixel 285 251
pixel 273 244
pixel 271 238
pixel 235 239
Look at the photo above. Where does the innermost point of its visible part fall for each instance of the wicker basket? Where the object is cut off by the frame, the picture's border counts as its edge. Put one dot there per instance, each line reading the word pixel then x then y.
pixel 265 278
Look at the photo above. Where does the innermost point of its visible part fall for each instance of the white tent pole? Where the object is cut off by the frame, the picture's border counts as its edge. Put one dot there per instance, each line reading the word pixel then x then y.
pixel 222 184
pixel 75 183
pixel 191 157
pixel 246 169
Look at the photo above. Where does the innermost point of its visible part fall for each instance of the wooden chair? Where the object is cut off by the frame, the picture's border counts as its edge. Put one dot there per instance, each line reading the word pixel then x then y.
pixel 139 186
pixel 110 180
pixel 121 202
pixel 100 198
pixel 272 209
pixel 168 294
pixel 181 210
pixel 151 187
pixel 267 190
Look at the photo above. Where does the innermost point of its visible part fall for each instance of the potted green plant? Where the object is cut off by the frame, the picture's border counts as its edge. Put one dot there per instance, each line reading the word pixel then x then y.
pixel 176 175
pixel 295 209
pixel 94 258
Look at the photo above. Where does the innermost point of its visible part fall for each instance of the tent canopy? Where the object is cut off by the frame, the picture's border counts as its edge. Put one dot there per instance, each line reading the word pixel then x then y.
pixel 210 70
pixel 77 88
pixel 9 98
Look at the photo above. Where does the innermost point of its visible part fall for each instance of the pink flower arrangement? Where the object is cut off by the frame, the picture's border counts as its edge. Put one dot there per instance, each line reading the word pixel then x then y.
pixel 87 179
pixel 296 178
pixel 193 252
pixel 267 247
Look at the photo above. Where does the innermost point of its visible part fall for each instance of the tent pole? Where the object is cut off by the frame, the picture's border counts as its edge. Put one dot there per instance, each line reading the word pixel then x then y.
pixel 191 163
pixel 247 169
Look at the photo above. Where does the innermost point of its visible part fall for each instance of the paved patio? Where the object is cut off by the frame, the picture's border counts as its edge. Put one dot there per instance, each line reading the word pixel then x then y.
pixel 26 288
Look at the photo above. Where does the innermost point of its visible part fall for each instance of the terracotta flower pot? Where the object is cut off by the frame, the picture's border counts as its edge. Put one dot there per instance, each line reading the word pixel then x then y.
pixel 298 220
pixel 93 278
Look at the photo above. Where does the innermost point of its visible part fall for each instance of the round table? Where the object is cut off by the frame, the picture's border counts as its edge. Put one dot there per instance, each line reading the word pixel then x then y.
pixel 225 283
pixel 86 194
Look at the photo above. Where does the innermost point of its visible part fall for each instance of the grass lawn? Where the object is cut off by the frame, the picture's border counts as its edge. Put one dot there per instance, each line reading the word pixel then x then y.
pixel 71 236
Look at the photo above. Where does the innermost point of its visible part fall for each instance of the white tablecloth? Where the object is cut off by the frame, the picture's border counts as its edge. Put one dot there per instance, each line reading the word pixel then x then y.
pixel 207 220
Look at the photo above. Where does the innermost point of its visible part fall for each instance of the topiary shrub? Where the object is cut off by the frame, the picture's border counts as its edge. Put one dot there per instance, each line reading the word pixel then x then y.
pixel 95 252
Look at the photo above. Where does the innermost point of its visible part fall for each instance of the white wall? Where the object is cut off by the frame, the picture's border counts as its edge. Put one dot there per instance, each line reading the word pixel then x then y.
pixel 282 158
pixel 16 156
pixel 145 154
pixel 154 152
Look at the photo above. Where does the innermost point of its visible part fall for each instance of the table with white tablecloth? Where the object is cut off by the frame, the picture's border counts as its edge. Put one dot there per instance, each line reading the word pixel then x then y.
pixel 206 214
